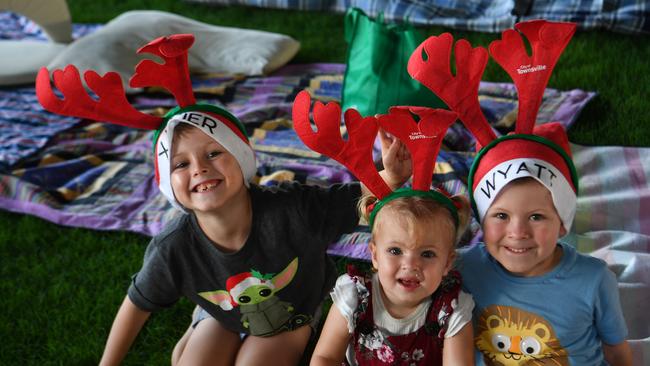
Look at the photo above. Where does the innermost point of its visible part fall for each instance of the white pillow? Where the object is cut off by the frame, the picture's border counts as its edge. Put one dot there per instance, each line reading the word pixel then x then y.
pixel 215 49
pixel 21 60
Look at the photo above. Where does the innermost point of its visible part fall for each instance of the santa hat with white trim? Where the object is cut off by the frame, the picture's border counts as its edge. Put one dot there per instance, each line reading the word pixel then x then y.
pixel 110 105
pixel 543 155
pixel 540 152
pixel 215 122
pixel 237 284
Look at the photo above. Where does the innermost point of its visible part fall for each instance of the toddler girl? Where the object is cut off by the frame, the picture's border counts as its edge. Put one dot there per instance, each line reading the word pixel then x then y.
pixel 411 310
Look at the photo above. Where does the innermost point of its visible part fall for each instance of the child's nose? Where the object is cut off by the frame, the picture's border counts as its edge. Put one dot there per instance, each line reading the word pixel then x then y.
pixel 410 263
pixel 200 170
pixel 518 228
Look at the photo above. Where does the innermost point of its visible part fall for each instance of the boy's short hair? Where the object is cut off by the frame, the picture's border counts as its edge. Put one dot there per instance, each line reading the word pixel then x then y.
pixel 181 130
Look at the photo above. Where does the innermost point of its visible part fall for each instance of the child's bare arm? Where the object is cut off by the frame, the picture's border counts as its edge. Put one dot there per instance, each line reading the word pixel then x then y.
pixel 333 341
pixel 126 326
pixel 459 349
pixel 396 160
pixel 618 355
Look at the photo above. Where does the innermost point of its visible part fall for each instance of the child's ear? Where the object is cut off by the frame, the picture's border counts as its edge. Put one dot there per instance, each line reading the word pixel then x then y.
pixel 451 259
pixel 373 253
pixel 562 231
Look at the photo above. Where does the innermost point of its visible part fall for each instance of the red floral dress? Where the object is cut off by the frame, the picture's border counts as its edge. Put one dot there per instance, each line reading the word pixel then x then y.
pixel 422 347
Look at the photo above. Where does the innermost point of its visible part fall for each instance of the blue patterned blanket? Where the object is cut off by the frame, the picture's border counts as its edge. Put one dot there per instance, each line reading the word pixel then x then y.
pixel 100 176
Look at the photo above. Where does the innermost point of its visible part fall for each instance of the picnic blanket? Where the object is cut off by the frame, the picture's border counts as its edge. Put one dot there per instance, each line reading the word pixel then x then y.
pixel 100 176
pixel 626 16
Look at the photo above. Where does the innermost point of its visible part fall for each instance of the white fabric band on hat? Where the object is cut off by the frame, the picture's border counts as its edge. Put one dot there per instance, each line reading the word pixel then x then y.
pixel 564 198
pixel 215 127
pixel 248 282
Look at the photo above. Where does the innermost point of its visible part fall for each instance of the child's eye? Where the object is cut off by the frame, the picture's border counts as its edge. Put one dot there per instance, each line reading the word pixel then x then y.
pixel 214 154
pixel 428 254
pixel 394 251
pixel 501 216
pixel 180 165
pixel 536 217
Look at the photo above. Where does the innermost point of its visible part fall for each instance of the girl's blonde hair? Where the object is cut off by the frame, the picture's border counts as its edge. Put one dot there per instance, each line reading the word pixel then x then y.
pixel 420 209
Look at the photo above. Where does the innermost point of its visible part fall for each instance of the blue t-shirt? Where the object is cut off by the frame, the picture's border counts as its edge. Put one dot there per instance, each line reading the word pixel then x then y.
pixel 566 313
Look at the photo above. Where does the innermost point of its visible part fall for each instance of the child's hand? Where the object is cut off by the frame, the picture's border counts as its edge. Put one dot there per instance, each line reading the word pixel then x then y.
pixel 396 159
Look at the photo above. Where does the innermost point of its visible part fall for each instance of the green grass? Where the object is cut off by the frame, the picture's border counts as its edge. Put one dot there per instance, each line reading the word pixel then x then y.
pixel 611 64
pixel 61 287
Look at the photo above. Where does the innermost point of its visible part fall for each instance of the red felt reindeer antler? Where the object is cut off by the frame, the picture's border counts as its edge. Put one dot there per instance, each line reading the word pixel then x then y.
pixel 430 65
pixel 173 75
pixel 355 154
pixel 531 73
pixel 422 139
pixel 111 104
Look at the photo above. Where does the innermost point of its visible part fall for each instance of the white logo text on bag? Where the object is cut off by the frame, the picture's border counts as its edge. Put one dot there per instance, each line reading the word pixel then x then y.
pixel 525 69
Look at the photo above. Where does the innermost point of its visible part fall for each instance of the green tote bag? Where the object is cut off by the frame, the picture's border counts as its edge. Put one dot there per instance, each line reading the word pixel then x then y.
pixel 376 77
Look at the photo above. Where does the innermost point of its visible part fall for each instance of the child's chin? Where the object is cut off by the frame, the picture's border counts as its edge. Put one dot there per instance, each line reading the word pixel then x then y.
pixel 521 272
pixel 208 205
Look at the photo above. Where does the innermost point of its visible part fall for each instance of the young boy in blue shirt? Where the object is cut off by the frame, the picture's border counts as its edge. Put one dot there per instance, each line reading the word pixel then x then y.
pixel 538 301
pixel 536 297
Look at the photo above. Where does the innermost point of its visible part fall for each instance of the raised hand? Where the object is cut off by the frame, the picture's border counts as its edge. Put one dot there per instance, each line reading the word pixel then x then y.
pixel 396 159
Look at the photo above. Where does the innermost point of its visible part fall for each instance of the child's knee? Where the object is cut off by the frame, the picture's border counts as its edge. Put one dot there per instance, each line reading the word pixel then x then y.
pixel 206 342
pixel 285 348
pixel 177 352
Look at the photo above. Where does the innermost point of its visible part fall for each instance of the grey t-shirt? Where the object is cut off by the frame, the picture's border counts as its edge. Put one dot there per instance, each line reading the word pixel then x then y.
pixel 275 282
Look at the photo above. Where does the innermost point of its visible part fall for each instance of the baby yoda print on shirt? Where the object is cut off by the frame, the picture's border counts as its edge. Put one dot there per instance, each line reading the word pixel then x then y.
pixel 262 313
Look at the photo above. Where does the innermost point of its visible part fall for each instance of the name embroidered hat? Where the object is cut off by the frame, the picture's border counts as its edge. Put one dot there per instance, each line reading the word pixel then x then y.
pixel 543 155
pixel 215 122
pixel 538 151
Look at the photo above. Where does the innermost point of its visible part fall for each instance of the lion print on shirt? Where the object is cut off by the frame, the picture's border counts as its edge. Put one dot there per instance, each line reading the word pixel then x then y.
pixel 508 336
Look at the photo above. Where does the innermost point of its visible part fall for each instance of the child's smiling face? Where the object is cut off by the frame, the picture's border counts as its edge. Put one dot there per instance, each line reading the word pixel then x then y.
pixel 411 258
pixel 204 175
pixel 521 229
